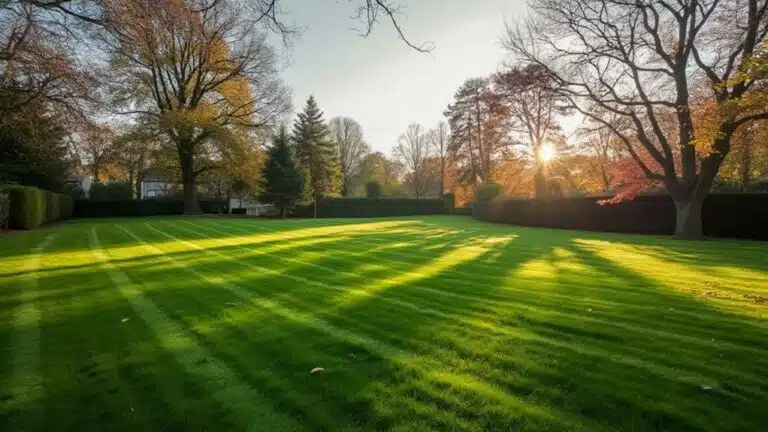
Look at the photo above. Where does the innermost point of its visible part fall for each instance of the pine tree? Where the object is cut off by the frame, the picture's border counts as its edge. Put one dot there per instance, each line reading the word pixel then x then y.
pixel 315 152
pixel 283 182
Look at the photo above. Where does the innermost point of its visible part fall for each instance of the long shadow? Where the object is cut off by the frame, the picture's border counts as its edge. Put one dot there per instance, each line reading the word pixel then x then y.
pixel 538 332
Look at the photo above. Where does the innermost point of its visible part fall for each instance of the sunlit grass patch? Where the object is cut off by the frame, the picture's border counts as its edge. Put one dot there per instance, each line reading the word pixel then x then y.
pixel 416 323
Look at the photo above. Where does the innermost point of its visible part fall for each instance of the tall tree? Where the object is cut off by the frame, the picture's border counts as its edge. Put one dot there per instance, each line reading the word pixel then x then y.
pixel 413 149
pixel 198 70
pixel 533 107
pixel 644 60
pixel 315 152
pixel 438 138
pixel 283 182
pixel 97 149
pixel 134 152
pixel 347 136
pixel 479 132
pixel 33 148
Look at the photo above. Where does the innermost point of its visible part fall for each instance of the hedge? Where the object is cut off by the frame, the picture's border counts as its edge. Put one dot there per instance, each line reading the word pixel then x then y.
pixel 144 207
pixel 724 215
pixel 31 207
pixel 372 207
pixel 5 206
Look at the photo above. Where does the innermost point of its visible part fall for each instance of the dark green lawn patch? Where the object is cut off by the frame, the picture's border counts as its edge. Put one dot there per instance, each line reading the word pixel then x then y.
pixel 428 323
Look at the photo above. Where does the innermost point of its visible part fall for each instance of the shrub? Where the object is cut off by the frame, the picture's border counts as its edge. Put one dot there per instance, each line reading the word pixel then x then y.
pixel 239 211
pixel 373 189
pixel 488 192
pixel 449 200
pixel 724 215
pixel 110 192
pixel 27 209
pixel 145 207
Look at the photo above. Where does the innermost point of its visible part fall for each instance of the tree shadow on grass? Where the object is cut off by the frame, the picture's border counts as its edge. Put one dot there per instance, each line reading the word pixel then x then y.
pixel 628 363
pixel 539 332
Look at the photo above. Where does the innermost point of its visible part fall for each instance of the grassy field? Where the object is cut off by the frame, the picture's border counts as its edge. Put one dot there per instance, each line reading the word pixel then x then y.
pixel 418 323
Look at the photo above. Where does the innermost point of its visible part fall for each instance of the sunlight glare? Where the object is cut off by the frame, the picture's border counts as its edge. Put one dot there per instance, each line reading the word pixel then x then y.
pixel 547 152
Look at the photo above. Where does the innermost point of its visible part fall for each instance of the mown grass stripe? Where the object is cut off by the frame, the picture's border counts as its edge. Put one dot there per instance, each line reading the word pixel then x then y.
pixel 27 384
pixel 528 304
pixel 432 370
pixel 249 408
pixel 627 358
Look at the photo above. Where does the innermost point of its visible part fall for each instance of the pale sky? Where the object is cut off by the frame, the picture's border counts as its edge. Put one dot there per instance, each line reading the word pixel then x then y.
pixel 378 80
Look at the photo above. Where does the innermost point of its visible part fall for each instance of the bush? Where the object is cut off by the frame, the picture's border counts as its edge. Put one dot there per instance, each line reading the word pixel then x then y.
pixel 724 215
pixel 372 207
pixel 27 209
pixel 110 192
pixel 239 211
pixel 145 207
pixel 449 200
pixel 5 206
pixel 373 189
pixel 488 192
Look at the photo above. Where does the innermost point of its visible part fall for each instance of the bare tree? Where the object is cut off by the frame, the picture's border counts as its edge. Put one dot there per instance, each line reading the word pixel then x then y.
pixel 347 136
pixel 438 138
pixel 532 107
pixel 413 149
pixel 643 60
pixel 97 149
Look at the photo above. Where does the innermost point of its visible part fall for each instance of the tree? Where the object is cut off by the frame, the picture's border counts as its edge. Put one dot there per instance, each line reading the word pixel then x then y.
pixel 602 149
pixel 197 71
pixel 134 152
pixel 33 148
pixel 282 179
pixel 532 106
pixel 347 136
pixel 646 60
pixel 315 152
pixel 748 159
pixel 373 189
pixel 413 149
pixel 376 167
pixel 479 135
pixel 97 149
pixel 438 138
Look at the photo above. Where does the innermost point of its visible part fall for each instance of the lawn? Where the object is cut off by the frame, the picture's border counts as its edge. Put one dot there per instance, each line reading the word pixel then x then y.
pixel 417 323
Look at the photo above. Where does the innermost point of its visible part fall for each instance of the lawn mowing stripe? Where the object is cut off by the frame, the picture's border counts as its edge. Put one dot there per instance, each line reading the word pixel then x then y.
pixel 678 316
pixel 250 409
pixel 26 385
pixel 532 305
pixel 673 372
pixel 468 275
pixel 397 355
pixel 667 372
pixel 670 279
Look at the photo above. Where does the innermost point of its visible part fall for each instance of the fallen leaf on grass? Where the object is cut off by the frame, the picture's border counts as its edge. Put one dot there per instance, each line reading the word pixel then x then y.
pixel 125 319
pixel 316 370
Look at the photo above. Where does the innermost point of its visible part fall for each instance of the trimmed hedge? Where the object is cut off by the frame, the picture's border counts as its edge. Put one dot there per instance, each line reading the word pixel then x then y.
pixel 31 207
pixel 144 207
pixel 372 207
pixel 5 207
pixel 724 215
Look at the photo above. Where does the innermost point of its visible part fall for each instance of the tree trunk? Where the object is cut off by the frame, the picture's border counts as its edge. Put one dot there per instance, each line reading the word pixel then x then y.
pixel 314 204
pixel 282 212
pixel 689 218
pixel 191 206
pixel 540 187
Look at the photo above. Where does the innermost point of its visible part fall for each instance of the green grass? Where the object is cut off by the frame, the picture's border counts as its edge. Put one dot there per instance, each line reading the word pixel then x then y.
pixel 430 323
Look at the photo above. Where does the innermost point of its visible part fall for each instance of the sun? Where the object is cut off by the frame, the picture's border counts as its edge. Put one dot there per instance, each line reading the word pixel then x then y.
pixel 547 152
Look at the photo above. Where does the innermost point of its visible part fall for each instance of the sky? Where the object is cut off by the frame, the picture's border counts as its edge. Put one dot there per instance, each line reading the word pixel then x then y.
pixel 378 80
